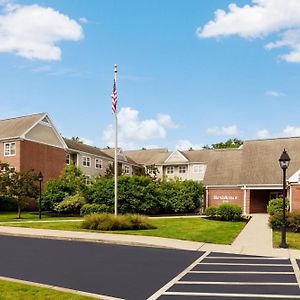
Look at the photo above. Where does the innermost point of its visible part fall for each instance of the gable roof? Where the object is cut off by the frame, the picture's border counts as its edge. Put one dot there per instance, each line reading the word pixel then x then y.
pixel 73 145
pixel 148 157
pixel 17 127
pixel 121 156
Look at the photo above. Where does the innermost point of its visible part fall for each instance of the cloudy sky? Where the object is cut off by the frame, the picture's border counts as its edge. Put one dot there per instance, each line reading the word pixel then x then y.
pixel 190 72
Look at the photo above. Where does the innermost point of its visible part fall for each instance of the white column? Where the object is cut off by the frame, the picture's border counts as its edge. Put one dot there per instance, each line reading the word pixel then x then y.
pixel 245 200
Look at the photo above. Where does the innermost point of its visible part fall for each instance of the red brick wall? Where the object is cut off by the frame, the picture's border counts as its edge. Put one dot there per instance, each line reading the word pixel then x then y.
pixel 219 196
pixel 47 159
pixel 295 197
pixel 13 161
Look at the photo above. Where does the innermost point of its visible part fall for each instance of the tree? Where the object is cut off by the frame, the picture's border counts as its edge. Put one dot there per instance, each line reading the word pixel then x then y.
pixel 70 182
pixel 77 139
pixel 110 170
pixel 230 143
pixel 22 186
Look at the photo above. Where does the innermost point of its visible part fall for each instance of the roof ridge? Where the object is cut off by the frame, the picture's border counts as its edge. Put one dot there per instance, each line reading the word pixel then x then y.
pixel 18 117
pixel 273 138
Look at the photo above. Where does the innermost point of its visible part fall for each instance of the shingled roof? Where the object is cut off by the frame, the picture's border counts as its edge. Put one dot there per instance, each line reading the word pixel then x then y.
pixel 85 148
pixel 149 156
pixel 16 127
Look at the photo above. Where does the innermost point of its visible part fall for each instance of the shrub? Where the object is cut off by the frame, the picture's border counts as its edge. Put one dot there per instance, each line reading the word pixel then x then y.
pixel 70 182
pixel 275 205
pixel 293 221
pixel 70 204
pixel 211 211
pixel 229 211
pixel 108 222
pixel 88 209
pixel 275 221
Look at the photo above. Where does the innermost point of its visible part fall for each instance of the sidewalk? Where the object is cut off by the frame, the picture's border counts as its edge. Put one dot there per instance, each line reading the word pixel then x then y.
pixel 255 239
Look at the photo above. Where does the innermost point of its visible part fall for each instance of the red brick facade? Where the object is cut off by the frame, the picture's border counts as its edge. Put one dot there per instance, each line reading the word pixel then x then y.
pixel 227 195
pixel 40 157
pixel 295 189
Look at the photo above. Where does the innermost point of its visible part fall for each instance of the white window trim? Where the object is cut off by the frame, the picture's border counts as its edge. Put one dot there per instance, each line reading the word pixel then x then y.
pixel 4 148
pixel 180 168
pixel 100 162
pixel 88 158
pixel 126 168
pixel 170 168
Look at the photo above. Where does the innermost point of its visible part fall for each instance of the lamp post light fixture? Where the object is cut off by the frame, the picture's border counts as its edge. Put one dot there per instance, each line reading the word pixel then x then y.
pixel 40 178
pixel 284 162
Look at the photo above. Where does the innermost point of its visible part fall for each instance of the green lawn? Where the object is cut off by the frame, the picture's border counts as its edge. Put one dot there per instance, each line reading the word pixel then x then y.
pixel 292 239
pixel 193 229
pixel 16 291
pixel 27 216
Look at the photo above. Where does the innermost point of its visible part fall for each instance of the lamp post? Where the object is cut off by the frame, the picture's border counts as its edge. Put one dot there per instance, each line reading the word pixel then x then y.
pixel 40 178
pixel 284 162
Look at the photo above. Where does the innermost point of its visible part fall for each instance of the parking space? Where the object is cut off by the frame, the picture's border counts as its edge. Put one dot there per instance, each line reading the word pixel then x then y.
pixel 230 276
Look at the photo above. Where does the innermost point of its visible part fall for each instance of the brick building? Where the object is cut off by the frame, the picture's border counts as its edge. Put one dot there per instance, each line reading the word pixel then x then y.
pixel 32 142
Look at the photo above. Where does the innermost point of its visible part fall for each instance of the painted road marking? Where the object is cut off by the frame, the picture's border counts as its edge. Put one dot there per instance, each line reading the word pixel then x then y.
pixel 236 283
pixel 273 278
pixel 177 278
pixel 272 296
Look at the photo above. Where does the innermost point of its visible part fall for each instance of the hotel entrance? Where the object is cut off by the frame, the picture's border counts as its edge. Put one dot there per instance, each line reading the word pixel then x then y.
pixel 259 199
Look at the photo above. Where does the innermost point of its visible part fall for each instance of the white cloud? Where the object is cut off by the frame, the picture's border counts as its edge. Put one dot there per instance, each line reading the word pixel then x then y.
pixel 291 131
pixel 230 130
pixel 258 20
pixel 33 31
pixel 187 144
pixel 274 94
pixel 263 134
pixel 87 141
pixel 133 132
pixel 83 20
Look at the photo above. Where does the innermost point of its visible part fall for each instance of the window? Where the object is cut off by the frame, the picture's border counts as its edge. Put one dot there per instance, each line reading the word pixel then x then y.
pixel 126 169
pixel 88 179
pixel 86 161
pixel 170 170
pixel 68 159
pixel 9 149
pixel 182 169
pixel 98 163
pixel 197 168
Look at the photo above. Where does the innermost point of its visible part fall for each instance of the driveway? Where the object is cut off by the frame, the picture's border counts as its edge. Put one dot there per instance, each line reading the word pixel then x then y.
pixel 126 272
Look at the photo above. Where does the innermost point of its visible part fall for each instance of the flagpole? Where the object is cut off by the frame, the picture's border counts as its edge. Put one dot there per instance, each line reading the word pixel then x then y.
pixel 116 150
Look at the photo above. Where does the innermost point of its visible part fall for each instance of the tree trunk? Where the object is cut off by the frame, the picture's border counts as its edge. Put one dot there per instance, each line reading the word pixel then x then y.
pixel 19 211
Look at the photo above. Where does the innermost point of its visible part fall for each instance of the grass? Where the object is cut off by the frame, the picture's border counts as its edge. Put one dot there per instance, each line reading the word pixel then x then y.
pixel 192 229
pixel 292 238
pixel 28 216
pixel 13 291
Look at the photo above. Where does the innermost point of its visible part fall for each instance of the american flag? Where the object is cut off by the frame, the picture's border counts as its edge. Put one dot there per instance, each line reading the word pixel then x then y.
pixel 114 98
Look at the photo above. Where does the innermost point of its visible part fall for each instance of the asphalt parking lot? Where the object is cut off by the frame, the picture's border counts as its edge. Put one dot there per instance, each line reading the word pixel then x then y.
pixel 230 276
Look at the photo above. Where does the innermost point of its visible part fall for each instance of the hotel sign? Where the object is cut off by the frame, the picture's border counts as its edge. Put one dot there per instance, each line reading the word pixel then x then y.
pixel 225 198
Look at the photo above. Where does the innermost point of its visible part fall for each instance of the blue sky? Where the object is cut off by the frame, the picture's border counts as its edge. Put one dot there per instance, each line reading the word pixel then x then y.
pixel 187 77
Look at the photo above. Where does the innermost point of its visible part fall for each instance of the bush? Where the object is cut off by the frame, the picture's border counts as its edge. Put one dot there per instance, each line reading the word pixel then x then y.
pixel 229 211
pixel 70 182
pixel 293 221
pixel 88 209
pixel 275 205
pixel 140 194
pixel 275 221
pixel 70 204
pixel 108 222
pixel 211 211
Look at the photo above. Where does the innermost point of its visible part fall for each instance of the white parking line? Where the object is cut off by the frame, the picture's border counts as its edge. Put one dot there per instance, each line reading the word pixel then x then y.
pixel 235 283
pixel 272 296
pixel 243 257
pixel 178 277
pixel 240 272
pixel 241 264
